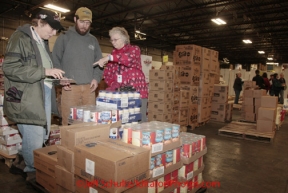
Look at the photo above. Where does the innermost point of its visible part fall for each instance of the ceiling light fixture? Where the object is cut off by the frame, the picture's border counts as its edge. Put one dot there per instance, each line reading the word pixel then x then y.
pixel 139 32
pixel 261 52
pixel 56 8
pixel 269 58
pixel 247 41
pixel 218 21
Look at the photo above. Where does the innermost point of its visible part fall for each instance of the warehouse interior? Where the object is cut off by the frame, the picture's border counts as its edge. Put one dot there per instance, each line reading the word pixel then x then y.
pixel 235 161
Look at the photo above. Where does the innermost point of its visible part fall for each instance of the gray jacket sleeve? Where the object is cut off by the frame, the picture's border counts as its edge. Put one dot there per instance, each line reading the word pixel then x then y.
pixel 98 72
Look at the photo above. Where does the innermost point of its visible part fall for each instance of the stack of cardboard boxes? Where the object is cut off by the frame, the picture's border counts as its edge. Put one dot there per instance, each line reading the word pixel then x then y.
pixel 221 110
pixel 251 101
pixel 267 113
pixel 160 98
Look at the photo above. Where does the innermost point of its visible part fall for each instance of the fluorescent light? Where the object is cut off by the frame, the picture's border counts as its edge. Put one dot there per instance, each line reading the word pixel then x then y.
pixel 139 32
pixel 269 58
pixel 247 41
pixel 218 21
pixel 56 8
pixel 261 52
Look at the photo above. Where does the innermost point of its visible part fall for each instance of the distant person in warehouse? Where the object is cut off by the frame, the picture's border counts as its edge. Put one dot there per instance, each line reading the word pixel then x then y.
pixel 28 70
pixel 277 86
pixel 284 87
pixel 271 90
pixel 237 87
pixel 259 80
pixel 266 82
pixel 124 66
pixel 75 52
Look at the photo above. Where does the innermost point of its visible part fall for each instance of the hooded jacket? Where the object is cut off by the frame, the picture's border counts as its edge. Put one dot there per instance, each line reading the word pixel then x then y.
pixel 24 98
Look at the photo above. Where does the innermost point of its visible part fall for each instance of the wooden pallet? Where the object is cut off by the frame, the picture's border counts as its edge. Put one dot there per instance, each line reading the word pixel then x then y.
pixel 246 131
pixel 8 158
pixel 245 121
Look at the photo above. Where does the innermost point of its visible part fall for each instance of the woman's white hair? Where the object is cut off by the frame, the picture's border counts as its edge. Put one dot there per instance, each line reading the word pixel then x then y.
pixel 122 32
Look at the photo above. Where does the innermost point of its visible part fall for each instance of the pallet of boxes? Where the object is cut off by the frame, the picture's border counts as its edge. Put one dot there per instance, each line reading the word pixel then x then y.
pixel 251 101
pixel 160 97
pixel 187 61
pixel 10 138
pixel 221 110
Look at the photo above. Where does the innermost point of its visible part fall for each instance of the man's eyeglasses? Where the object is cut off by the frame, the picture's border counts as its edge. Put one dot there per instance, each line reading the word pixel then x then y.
pixel 84 22
pixel 114 40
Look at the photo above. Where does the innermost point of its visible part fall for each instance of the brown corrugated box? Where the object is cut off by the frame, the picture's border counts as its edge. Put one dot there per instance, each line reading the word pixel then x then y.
pixel 65 158
pixel 84 132
pixel 220 98
pixel 269 101
pixel 160 75
pixel 193 93
pixel 267 114
pixel 265 126
pixel 65 178
pixel 250 116
pixel 248 93
pixel 163 96
pixel 192 114
pixel 220 88
pixel 45 159
pixel 160 107
pixel 204 90
pixel 156 116
pixel 248 108
pixel 190 75
pixel 187 55
pixel 206 54
pixel 112 160
pixel 161 85
pixel 47 181
pixel 259 93
pixel 248 101
pixel 61 189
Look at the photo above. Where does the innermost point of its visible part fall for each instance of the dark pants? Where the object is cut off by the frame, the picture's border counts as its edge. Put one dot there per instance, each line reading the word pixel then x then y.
pixel 237 94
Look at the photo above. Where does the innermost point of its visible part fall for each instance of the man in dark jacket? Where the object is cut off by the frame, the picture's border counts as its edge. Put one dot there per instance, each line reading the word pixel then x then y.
pixel 28 70
pixel 259 80
pixel 283 87
pixel 237 87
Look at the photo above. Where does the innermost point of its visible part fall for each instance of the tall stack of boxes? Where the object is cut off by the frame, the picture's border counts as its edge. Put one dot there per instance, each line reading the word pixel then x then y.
pixel 267 113
pixel 160 98
pixel 251 101
pixel 221 111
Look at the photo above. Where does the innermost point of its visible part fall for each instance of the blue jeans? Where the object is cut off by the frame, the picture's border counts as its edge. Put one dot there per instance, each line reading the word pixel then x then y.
pixel 237 94
pixel 34 136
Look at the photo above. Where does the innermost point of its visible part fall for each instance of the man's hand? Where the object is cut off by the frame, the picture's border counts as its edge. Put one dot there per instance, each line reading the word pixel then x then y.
pixel 102 62
pixel 93 85
pixel 54 72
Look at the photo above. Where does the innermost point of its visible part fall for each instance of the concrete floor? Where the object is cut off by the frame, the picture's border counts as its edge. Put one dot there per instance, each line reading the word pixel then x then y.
pixel 240 166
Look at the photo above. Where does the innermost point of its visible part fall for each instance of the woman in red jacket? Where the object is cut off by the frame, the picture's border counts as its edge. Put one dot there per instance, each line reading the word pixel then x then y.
pixel 124 66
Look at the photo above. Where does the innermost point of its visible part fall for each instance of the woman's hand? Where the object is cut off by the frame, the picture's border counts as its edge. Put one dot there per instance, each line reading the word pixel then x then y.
pixel 54 72
pixel 102 62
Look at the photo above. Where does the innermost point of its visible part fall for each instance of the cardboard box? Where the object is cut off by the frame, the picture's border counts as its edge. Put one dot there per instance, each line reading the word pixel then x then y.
pixel 256 108
pixel 265 126
pixel 267 114
pixel 248 93
pixel 204 90
pixel 161 85
pixel 220 88
pixel 158 96
pixel 112 160
pixel 184 98
pixel 65 178
pixel 257 101
pixel 61 189
pixel 203 102
pixel 190 75
pixel 229 112
pixel 259 93
pixel 160 75
pixel 156 116
pixel 204 78
pixel 218 116
pixel 250 116
pixel 249 84
pixel 85 132
pixel 45 159
pixel 193 93
pixel 219 107
pixel 269 101
pixel 177 85
pixel 248 101
pixel 206 54
pixel 65 158
pixel 248 108
pixel 192 114
pixel 160 107
pixel 47 181
pixel 220 98
pixel 187 55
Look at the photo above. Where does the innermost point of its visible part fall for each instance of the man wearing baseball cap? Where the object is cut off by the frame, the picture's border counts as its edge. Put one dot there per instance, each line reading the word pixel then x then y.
pixel 28 70
pixel 75 52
